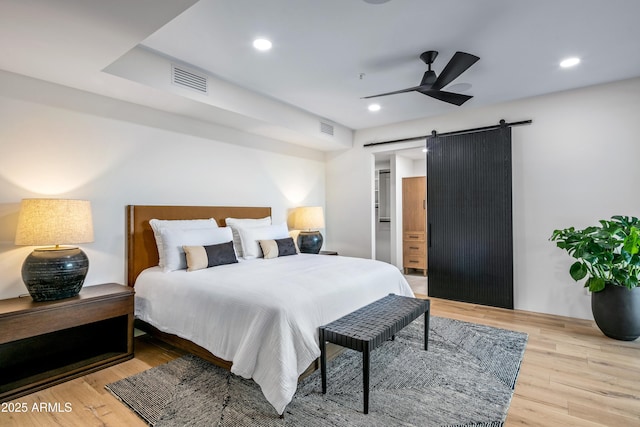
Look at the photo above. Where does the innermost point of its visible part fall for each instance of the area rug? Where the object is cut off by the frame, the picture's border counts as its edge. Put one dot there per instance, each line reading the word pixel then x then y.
pixel 466 378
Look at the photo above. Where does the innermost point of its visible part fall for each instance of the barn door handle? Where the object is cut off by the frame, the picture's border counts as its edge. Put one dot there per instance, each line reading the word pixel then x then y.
pixel 429 234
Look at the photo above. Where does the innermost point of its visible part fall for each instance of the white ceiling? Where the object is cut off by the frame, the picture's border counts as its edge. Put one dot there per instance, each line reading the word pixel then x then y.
pixel 321 48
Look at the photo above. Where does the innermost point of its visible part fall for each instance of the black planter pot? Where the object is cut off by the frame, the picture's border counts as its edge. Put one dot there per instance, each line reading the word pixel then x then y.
pixel 616 310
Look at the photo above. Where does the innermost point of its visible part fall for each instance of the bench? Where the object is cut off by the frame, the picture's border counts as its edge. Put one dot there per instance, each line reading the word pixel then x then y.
pixel 368 327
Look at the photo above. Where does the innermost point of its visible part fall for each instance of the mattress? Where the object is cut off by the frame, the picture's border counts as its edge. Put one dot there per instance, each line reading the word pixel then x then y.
pixel 263 314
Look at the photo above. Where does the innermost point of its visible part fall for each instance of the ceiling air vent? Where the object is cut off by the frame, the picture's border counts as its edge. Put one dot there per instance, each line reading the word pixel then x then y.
pixel 326 128
pixel 186 78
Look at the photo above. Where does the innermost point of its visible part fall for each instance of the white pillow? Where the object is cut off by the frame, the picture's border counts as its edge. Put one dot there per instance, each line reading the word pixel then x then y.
pixel 250 237
pixel 236 223
pixel 181 224
pixel 174 239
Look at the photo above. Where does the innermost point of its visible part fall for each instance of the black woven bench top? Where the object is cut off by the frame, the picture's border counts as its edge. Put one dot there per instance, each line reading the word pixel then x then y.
pixel 375 323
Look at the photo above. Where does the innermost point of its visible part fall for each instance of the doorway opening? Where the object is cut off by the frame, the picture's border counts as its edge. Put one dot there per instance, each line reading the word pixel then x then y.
pixel 391 167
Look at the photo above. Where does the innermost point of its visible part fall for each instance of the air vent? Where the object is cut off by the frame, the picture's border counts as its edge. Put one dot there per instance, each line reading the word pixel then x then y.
pixel 326 128
pixel 186 78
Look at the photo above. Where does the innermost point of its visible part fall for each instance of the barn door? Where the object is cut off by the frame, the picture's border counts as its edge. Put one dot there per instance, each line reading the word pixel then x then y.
pixel 470 234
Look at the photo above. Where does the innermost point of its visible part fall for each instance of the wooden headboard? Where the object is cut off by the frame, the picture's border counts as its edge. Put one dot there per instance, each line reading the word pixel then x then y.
pixel 141 245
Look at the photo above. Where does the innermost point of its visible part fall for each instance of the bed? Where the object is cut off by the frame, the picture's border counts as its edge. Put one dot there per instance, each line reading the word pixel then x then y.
pixel 257 317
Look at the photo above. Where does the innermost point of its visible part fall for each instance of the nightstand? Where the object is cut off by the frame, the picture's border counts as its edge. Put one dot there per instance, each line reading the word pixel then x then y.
pixel 328 253
pixel 46 343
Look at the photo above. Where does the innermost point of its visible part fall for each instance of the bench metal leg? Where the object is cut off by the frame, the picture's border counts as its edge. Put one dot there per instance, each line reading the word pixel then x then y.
pixel 323 360
pixel 426 330
pixel 365 375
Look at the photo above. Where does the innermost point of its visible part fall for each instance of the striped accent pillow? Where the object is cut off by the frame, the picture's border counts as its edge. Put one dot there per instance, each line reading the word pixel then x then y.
pixel 200 257
pixel 278 247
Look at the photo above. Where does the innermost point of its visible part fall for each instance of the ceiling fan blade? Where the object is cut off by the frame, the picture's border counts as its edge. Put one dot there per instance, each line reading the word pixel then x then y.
pixel 450 97
pixel 409 89
pixel 460 62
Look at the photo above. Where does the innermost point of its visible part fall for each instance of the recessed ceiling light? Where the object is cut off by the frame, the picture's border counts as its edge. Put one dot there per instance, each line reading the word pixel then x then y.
pixel 262 44
pixel 570 62
pixel 424 150
pixel 374 107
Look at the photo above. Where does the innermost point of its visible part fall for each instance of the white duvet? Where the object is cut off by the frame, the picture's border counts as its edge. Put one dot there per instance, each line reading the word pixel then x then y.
pixel 263 315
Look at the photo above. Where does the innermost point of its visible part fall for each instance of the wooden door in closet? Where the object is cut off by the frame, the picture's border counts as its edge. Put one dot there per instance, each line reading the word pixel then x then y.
pixel 414 224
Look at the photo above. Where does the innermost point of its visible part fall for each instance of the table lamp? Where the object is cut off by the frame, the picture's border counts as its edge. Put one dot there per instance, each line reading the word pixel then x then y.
pixel 309 219
pixel 56 272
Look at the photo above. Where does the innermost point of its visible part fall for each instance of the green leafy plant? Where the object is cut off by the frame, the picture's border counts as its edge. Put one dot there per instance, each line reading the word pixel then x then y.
pixel 609 253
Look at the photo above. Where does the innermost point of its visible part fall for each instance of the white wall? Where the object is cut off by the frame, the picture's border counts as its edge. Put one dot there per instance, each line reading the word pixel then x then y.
pixel 60 142
pixel 420 167
pixel 577 163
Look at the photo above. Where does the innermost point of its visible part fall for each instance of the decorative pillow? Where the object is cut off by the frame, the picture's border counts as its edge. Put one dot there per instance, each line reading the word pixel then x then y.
pixel 174 239
pixel 250 237
pixel 182 224
pixel 236 223
pixel 199 257
pixel 278 247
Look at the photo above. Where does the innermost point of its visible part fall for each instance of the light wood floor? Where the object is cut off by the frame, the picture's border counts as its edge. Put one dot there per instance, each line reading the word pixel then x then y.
pixel 571 375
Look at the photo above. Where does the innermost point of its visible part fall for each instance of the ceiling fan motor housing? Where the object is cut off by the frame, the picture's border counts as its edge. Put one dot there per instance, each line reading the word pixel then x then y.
pixel 428 57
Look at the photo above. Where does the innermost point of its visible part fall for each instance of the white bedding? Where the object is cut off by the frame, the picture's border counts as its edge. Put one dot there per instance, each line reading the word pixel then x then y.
pixel 263 315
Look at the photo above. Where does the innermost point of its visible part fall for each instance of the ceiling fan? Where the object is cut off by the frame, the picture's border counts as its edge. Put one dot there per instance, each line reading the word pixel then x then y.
pixel 432 85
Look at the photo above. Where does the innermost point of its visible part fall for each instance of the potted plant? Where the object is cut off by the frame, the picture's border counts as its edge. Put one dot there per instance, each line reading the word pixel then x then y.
pixel 608 255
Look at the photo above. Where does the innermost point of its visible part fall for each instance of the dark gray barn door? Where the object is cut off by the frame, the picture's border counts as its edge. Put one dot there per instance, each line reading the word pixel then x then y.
pixel 470 233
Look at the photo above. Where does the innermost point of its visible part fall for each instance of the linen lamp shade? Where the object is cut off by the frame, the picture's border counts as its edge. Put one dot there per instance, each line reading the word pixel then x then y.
pixel 309 219
pixel 56 272
pixel 54 222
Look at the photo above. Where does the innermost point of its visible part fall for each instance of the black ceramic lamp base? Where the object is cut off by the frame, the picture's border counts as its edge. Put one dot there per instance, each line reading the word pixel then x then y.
pixel 52 274
pixel 310 242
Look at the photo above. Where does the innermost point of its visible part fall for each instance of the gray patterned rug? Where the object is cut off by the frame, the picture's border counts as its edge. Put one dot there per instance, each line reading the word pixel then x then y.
pixel 465 379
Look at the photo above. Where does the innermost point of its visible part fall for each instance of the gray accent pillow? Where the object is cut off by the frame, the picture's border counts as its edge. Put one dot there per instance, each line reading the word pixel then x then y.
pixel 278 247
pixel 199 257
